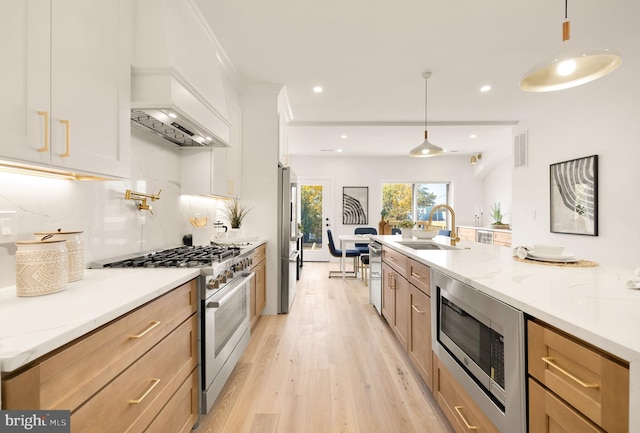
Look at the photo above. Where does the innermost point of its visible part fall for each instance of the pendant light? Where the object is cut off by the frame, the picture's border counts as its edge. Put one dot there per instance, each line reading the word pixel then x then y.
pixel 426 149
pixel 570 68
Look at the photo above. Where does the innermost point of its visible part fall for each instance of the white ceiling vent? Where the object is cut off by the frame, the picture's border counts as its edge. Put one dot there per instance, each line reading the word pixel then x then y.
pixel 521 150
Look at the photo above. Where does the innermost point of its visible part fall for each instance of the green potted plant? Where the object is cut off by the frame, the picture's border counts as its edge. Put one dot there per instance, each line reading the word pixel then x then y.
pixel 235 212
pixel 406 226
pixel 497 216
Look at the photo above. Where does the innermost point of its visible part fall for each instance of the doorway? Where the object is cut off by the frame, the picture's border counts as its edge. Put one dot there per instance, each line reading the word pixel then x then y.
pixel 314 218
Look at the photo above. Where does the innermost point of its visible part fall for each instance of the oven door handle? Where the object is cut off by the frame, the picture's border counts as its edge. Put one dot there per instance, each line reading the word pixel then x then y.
pixel 374 249
pixel 223 300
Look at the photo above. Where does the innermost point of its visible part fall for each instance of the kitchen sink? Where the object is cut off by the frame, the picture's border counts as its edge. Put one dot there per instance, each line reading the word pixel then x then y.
pixel 422 245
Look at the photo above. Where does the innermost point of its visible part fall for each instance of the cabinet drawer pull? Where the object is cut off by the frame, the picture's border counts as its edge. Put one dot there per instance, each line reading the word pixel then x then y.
pixel 416 309
pixel 67 140
pixel 154 382
pixel 464 420
pixel 149 328
pixel 416 275
pixel 393 278
pixel 45 114
pixel 550 361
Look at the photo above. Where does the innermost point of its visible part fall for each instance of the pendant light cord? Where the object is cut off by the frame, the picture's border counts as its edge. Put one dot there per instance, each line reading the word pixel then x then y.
pixel 566 6
pixel 425 103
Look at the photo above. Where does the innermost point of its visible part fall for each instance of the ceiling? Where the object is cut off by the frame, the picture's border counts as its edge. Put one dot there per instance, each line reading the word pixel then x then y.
pixel 369 56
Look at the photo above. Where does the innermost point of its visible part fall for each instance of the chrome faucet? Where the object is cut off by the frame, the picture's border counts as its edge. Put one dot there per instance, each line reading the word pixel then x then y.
pixel 454 234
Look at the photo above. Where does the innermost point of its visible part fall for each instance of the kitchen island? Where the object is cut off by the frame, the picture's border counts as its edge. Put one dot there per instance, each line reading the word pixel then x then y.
pixel 591 304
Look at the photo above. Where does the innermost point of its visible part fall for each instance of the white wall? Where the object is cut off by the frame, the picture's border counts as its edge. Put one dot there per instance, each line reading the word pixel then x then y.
pixel 467 192
pixel 600 118
pixel 496 188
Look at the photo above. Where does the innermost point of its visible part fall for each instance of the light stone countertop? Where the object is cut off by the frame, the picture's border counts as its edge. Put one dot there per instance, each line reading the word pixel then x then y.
pixel 33 326
pixel 592 304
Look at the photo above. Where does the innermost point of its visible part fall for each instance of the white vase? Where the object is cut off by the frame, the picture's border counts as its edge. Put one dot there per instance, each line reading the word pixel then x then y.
pixel 234 233
pixel 406 233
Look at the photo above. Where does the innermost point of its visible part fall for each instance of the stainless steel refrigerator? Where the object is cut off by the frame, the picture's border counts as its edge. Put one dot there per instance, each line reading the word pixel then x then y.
pixel 287 237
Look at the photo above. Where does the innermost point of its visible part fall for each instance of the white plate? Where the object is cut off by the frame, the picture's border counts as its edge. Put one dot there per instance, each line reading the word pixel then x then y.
pixel 563 258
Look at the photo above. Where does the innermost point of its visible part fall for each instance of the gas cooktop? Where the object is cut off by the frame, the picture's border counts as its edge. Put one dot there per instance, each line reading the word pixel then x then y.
pixel 179 257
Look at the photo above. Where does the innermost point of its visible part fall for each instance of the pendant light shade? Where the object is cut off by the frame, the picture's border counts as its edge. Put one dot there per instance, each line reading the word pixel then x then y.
pixel 426 149
pixel 571 67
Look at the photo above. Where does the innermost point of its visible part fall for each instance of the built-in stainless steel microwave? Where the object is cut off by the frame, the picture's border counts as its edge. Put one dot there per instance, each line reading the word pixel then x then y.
pixel 481 342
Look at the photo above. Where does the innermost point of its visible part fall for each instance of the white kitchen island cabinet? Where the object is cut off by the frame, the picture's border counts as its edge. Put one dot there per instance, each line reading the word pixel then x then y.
pixel 66 87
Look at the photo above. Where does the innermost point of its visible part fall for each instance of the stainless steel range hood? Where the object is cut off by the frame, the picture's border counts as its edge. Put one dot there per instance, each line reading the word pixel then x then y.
pixel 177 89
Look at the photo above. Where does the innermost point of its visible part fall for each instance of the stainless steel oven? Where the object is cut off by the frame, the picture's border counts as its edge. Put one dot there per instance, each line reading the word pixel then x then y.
pixel 225 328
pixel 481 342
pixel 224 290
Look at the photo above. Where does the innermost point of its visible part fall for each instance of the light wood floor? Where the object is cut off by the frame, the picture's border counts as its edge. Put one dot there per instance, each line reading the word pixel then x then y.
pixel 330 365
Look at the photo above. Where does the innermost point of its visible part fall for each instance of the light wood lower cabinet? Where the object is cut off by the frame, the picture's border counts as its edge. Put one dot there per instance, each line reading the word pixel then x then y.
pixel 395 302
pixel 407 307
pixel 419 343
pixel 121 376
pixel 589 380
pixel 548 413
pixel 461 411
pixel 258 291
pixel 502 239
pixel 467 234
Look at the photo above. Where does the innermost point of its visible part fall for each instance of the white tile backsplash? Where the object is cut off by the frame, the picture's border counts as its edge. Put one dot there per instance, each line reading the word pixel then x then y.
pixel 112 226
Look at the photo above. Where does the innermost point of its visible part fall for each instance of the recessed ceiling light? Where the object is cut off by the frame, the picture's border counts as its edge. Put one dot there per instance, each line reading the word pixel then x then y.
pixel 172 115
pixel 473 136
pixel 485 88
pixel 339 150
pixel 343 136
pixel 317 89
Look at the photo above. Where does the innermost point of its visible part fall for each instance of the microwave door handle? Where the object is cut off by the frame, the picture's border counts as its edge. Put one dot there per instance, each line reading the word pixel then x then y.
pixel 374 249
pixel 221 302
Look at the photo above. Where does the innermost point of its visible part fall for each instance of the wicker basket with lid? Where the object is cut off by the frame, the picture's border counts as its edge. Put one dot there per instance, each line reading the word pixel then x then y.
pixel 41 267
pixel 75 251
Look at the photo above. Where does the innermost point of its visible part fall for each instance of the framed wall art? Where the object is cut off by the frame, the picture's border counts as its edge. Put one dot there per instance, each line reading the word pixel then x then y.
pixel 355 205
pixel 574 196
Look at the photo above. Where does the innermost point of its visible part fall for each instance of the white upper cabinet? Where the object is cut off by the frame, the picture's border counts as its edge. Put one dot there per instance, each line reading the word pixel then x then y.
pixel 67 84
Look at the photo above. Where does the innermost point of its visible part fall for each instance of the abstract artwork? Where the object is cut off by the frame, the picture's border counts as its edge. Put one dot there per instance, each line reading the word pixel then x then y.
pixel 355 202
pixel 574 196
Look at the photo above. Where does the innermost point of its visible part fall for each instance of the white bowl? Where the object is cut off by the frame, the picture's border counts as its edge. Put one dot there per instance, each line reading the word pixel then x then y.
pixel 424 234
pixel 548 249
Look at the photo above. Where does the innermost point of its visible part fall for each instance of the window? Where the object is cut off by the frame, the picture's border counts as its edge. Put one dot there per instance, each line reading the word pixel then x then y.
pixel 414 201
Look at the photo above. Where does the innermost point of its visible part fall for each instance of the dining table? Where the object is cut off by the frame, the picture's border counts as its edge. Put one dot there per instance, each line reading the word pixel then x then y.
pixel 345 241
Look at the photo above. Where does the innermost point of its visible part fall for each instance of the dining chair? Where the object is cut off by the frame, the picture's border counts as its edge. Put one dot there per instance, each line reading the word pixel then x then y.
pixel 364 267
pixel 353 253
pixel 396 231
pixel 364 248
